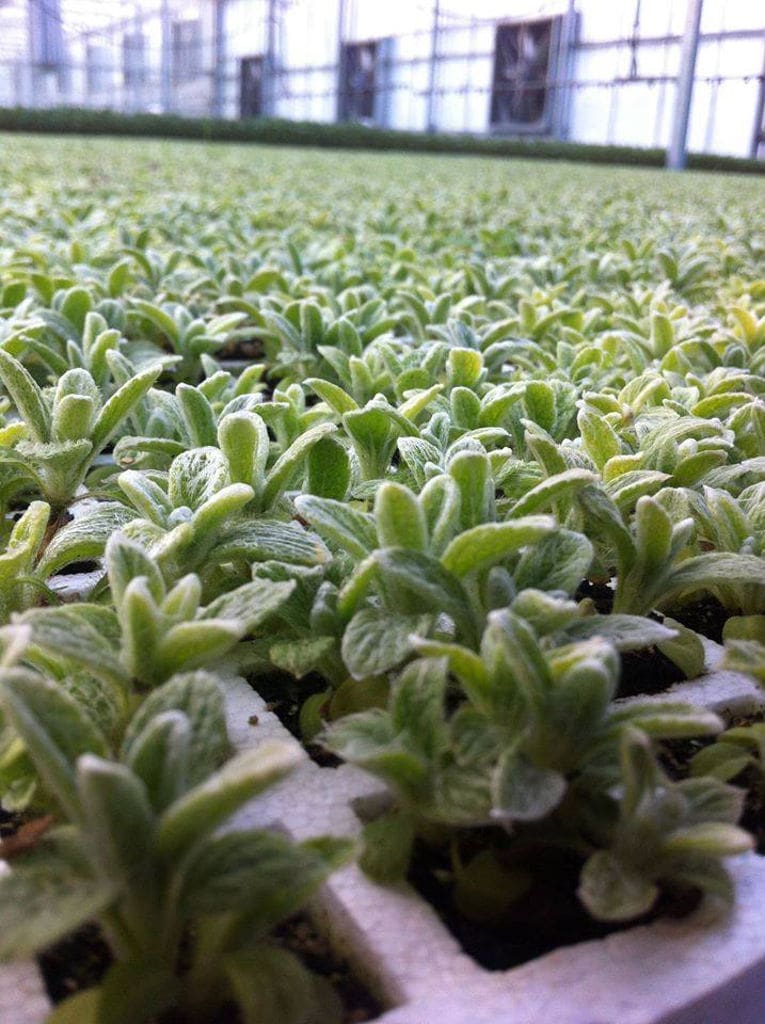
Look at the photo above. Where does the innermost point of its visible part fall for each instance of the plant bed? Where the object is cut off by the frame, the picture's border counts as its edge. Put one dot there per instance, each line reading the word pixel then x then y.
pixel 469 533
pixel 82 960
pixel 369 923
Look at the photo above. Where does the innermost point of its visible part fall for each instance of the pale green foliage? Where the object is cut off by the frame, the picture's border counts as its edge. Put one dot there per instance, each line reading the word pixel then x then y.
pixel 141 853
pixel 67 427
pixel 154 631
pixel 536 737
pixel 438 455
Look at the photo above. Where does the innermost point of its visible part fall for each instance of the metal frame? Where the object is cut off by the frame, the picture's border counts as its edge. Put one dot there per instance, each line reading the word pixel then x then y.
pixel 219 72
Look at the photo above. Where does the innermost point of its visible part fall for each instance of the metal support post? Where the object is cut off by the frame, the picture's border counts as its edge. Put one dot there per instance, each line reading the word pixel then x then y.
pixel 340 64
pixel 270 69
pixel 166 59
pixel 758 133
pixel 676 154
pixel 219 58
pixel 430 117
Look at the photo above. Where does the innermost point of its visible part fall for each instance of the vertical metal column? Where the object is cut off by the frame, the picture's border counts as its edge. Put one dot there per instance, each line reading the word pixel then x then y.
pixel 269 70
pixel 758 132
pixel 219 58
pixel 676 154
pixel 32 50
pixel 430 117
pixel 166 59
pixel 340 84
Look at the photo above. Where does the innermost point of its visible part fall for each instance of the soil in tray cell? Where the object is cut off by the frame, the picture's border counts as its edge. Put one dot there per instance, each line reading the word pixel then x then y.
pixel 547 917
pixel 81 960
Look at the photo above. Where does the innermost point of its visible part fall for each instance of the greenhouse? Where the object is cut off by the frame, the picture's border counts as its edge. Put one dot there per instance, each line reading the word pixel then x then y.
pixel 382 579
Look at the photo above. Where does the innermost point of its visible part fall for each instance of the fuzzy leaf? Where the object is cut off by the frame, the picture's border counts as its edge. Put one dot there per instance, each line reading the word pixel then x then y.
pixel 121 404
pixel 84 538
pixel 339 524
pixel 522 791
pixel 611 891
pixel 482 546
pixel 399 518
pixel 118 818
pixel 213 801
pixel 55 730
pixel 195 476
pixel 44 900
pixel 200 699
pixel 376 640
pixel 26 395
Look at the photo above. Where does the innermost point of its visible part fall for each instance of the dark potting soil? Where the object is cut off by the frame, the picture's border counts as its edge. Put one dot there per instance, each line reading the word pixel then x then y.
pixel 77 962
pixel 601 595
pixel 646 671
pixel 249 349
pixel 675 756
pixel 9 823
pixel 284 696
pixel 547 917
pixel 300 937
pixel 81 960
pixel 706 616
pixel 75 568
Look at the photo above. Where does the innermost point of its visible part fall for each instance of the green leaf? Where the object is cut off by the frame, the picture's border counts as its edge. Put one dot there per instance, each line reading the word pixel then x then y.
pixel 328 469
pixel 193 644
pixel 263 875
pixel 685 649
pixel 271 986
pixel 195 476
pixel 709 839
pixel 399 518
pixel 118 820
pixel 136 991
pixel 558 561
pixel 287 465
pixel 160 758
pixel 26 395
pixel 722 760
pixel 127 561
pixel 422 583
pixel 714 571
pixel 522 791
pixel 625 632
pixel 208 805
pixel 471 471
pixel 44 900
pixel 485 890
pixel 417 707
pixel 84 538
pixel 388 842
pixel 198 416
pixel 81 1008
pixel 339 524
pixel 146 496
pixel 376 640
pixel 612 892
pixel 302 656
pixel 252 603
pixel 482 546
pixel 55 729
pixel 199 697
pixel 244 440
pixel 552 490
pixel 121 404
pixel 330 393
pixel 142 626
pixel 599 437
pixel 263 540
